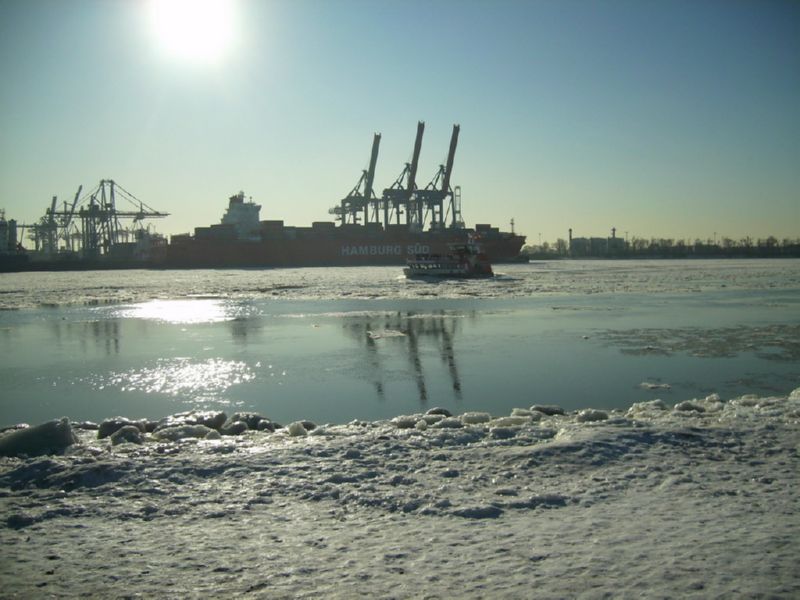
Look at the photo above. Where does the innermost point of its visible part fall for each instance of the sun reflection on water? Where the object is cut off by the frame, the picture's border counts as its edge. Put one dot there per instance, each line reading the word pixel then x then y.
pixel 199 380
pixel 181 311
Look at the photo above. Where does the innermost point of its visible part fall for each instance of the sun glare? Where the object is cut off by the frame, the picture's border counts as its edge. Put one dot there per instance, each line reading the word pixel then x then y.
pixel 197 31
pixel 179 312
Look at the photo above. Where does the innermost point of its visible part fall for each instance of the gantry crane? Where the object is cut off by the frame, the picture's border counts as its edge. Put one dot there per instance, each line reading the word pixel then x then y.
pixel 430 201
pixel 397 197
pixel 360 198
pixel 403 198
pixel 100 228
pixel 100 220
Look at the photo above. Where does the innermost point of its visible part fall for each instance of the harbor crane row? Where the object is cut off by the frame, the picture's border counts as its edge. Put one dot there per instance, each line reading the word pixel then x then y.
pixel 100 228
pixel 403 198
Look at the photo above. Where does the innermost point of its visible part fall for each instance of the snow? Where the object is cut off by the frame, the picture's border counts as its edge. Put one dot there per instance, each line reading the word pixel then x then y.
pixel 474 417
pixel 651 501
pixel 53 436
pixel 296 429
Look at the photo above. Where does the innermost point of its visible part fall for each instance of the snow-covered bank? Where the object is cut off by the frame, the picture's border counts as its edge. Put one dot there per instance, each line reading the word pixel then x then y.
pixel 699 499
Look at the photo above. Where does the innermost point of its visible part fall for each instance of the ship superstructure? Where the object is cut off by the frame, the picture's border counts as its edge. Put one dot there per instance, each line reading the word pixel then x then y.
pixel 243 216
pixel 8 234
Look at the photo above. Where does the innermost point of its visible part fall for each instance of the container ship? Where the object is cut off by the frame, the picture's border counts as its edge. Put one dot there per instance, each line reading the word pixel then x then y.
pixel 406 220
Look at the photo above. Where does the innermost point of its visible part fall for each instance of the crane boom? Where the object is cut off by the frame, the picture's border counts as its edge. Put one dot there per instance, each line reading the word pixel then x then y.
pixel 450 156
pixel 376 142
pixel 412 173
pixel 370 177
pixel 74 204
pixel 77 195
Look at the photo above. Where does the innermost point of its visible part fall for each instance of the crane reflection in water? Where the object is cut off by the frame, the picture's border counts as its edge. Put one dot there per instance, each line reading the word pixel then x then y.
pixel 105 334
pixel 383 333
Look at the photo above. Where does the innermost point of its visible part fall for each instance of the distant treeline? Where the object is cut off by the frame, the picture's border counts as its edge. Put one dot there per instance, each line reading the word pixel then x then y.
pixel 615 247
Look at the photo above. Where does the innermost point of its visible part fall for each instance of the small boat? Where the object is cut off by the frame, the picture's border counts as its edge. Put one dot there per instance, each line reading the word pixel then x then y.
pixel 463 261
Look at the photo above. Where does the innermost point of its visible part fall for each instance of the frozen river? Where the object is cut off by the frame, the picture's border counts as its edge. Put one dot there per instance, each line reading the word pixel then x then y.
pixel 334 345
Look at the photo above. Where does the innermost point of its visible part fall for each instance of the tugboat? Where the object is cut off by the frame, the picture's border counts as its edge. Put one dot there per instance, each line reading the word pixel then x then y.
pixel 463 261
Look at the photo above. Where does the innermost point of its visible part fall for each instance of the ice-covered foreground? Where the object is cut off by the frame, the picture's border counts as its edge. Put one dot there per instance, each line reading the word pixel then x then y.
pixel 696 500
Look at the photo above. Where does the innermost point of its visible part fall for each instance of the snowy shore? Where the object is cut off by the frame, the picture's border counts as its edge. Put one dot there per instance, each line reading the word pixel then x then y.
pixel 696 500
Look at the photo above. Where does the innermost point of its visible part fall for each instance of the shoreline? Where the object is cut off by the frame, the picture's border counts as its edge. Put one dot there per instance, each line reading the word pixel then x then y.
pixel 58 435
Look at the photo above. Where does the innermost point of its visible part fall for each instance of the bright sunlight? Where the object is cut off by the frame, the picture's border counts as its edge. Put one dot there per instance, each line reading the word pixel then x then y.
pixel 196 31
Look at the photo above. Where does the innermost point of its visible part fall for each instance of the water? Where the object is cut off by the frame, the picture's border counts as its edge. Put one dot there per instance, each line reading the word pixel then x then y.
pixel 337 344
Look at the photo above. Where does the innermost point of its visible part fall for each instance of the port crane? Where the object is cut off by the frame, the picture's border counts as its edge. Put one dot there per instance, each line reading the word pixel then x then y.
pixel 397 197
pixel 429 202
pixel 362 195
pixel 403 198
pixel 100 222
pixel 55 225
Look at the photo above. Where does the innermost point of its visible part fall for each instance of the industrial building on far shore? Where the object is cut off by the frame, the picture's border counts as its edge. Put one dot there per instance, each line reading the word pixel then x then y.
pixel 596 246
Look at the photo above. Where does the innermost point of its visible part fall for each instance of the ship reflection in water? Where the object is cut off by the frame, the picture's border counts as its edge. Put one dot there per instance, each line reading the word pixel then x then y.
pixel 412 334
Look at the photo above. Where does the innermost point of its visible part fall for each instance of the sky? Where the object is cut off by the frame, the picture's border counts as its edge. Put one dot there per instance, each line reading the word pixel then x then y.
pixel 671 119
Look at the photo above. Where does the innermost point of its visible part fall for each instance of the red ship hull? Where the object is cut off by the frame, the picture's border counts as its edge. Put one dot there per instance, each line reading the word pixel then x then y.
pixel 354 247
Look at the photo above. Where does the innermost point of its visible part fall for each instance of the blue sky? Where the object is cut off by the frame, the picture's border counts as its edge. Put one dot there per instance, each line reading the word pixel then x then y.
pixel 662 119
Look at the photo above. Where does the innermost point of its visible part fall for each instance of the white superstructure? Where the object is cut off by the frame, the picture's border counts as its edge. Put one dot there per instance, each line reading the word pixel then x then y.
pixel 244 216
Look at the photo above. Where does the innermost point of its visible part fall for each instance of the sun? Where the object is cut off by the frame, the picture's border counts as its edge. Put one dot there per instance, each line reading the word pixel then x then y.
pixel 196 31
